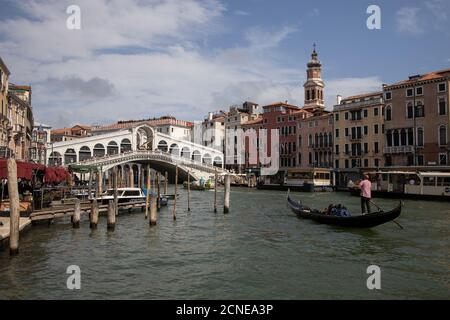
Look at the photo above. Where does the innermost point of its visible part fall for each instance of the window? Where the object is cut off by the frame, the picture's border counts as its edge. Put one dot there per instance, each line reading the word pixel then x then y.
pixel 388 95
pixel 377 162
pixel 375 128
pixel 366 114
pixel 420 110
pixel 375 147
pixel 420 137
pixel 337 149
pixel 429 181
pixel 442 87
pixel 442 159
pixel 420 160
pixel 409 92
pixel 346 149
pixel 346 116
pixel 375 112
pixel 366 130
pixel 442 135
pixel 336 163
pixel 419 91
pixel 366 163
pixel 366 147
pixel 409 110
pixel 337 117
pixel 388 113
pixel 442 106
pixel 337 133
pixel 346 163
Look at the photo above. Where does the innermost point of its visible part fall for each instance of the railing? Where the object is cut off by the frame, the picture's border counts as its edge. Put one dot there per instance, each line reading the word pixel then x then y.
pixel 399 149
pixel 154 155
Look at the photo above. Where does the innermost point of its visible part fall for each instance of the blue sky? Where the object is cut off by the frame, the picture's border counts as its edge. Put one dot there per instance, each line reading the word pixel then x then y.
pixel 138 59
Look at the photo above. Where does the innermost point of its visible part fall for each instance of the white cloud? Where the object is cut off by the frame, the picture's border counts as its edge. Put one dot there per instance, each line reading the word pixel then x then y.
pixel 351 86
pixel 241 13
pixel 145 59
pixel 409 22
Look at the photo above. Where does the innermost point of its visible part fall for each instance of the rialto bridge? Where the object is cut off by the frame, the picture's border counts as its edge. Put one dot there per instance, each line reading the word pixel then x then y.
pixel 132 149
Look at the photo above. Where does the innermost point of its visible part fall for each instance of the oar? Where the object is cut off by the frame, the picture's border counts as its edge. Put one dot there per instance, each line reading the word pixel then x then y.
pixel 398 224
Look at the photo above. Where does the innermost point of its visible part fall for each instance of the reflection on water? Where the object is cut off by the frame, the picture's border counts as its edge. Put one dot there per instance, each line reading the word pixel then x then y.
pixel 259 251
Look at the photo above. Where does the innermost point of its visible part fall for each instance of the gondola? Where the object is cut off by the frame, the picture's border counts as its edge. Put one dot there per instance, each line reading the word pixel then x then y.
pixel 362 221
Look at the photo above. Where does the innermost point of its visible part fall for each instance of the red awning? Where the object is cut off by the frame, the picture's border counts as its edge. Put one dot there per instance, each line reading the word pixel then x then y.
pixel 24 169
pixel 55 175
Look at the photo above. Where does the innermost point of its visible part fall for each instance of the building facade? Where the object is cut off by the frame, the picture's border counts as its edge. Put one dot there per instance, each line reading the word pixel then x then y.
pixel 213 131
pixel 21 122
pixel 40 139
pixel 417 120
pixel 68 134
pixel 4 121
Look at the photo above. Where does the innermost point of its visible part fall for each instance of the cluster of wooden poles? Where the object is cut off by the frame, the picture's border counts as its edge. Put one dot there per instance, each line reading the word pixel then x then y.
pixel 152 198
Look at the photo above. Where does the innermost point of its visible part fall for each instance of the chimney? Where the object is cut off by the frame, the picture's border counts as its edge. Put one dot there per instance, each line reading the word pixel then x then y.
pixel 210 116
pixel 338 99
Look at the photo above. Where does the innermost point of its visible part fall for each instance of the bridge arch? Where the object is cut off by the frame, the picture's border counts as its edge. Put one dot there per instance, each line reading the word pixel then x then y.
pixel 125 145
pixel 84 153
pixel 196 156
pixel 186 153
pixel 55 159
pixel 144 137
pixel 99 150
pixel 112 148
pixel 174 149
pixel 163 146
pixel 70 156
pixel 207 158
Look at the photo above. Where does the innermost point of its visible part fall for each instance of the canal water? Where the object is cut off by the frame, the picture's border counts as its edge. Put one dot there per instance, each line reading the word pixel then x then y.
pixel 259 251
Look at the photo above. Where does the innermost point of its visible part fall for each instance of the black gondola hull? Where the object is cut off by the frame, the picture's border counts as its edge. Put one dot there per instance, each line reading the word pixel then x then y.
pixel 362 221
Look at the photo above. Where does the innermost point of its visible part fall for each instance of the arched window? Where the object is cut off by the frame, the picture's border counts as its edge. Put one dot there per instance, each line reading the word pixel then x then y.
pixel 99 150
pixel 420 109
pixel 162 145
pixel 174 149
pixel 396 138
pixel 70 156
pixel 85 153
pixel 388 113
pixel 443 135
pixel 125 146
pixel 196 156
pixel 207 158
pixel 186 153
pixel 389 138
pixel 420 140
pixel 112 148
pixel 55 159
pixel 403 137
pixel 310 140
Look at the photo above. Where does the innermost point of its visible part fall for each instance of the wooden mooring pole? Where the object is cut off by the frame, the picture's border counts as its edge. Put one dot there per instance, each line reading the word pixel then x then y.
pixel 215 190
pixel 189 190
pixel 76 214
pixel 111 224
pixel 226 201
pixel 158 182
pixel 94 214
pixel 116 196
pixel 14 208
pixel 176 191
pixel 153 210
pixel 147 195
pixel 166 183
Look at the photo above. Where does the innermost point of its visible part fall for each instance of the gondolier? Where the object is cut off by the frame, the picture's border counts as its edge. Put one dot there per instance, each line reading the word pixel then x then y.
pixel 366 194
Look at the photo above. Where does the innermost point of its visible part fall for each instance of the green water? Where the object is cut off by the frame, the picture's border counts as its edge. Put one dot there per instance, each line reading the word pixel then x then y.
pixel 259 251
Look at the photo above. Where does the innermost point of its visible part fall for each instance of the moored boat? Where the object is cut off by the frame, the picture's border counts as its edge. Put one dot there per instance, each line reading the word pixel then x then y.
pixel 361 221
pixel 127 195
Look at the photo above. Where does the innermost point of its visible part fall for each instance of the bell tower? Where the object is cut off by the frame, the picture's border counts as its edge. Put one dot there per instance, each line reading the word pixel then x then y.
pixel 314 85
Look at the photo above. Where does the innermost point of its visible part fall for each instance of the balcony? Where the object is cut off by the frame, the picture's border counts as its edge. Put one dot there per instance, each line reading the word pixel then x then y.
pixel 355 138
pixel 399 149
pixel 18 129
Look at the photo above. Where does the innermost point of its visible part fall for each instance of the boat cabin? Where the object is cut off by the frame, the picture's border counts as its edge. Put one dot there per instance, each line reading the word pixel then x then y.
pixel 317 177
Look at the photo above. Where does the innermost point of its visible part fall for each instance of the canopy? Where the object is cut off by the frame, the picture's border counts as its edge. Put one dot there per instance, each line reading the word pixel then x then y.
pixel 24 169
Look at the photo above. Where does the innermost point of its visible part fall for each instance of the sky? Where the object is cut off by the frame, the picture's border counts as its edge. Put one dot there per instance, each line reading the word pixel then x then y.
pixel 136 59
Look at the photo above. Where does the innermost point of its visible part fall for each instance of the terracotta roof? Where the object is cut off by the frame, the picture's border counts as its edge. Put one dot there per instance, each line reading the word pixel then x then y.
pixel 425 77
pixel 82 126
pixel 363 95
pixel 284 104
pixel 19 87
pixel 151 122
pixel 252 122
